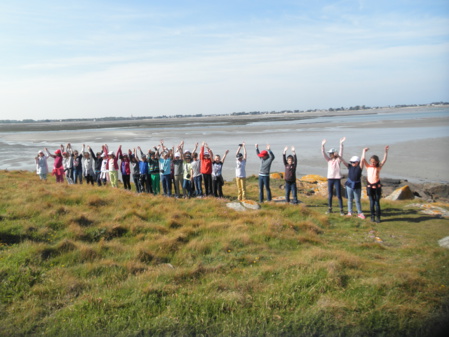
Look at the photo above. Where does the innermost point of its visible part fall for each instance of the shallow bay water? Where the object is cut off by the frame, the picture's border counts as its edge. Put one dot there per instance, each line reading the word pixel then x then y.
pixel 418 139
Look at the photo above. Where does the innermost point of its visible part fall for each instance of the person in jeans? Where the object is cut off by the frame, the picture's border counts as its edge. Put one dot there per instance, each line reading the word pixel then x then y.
pixel 290 164
pixel 353 184
pixel 197 176
pixel 266 158
pixel 333 174
pixel 374 187
pixel 240 172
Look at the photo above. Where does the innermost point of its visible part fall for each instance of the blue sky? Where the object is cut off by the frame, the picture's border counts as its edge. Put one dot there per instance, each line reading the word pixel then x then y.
pixel 64 59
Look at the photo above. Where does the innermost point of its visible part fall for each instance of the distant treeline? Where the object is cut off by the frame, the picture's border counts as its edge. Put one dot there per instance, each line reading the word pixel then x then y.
pixel 243 113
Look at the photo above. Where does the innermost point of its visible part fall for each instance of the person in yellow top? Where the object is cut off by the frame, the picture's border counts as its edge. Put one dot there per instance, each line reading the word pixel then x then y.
pixel 374 187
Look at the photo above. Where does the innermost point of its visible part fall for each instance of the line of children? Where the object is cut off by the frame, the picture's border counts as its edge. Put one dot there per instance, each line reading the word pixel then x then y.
pixel 185 170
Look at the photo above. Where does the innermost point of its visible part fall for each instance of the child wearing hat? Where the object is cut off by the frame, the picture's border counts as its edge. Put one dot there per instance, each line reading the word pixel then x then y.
pixel 333 174
pixel 240 172
pixel 41 164
pixel 266 158
pixel 353 184
pixel 58 168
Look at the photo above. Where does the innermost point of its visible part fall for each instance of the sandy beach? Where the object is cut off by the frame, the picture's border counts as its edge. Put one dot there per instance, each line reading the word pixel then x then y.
pixel 418 138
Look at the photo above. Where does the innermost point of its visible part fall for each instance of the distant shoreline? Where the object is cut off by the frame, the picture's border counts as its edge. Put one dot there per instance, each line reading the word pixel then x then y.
pixel 225 120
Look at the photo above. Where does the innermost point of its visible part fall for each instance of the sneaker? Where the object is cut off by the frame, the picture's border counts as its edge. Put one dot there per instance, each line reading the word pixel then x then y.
pixel 378 219
pixel 361 216
pixel 349 214
pixel 342 213
pixel 329 211
pixel 372 218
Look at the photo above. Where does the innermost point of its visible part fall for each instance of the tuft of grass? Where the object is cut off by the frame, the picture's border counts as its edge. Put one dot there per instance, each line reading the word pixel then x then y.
pixel 87 260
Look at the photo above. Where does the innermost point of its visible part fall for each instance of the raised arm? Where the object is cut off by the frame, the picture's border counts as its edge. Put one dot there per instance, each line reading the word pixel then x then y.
pixel 323 151
pixel 195 148
pixel 270 153
pixel 284 155
pixel 224 156
pixel 294 155
pixel 49 154
pixel 342 140
pixel 385 156
pixel 363 159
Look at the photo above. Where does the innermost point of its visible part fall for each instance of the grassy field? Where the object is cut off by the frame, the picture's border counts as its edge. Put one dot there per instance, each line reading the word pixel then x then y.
pixel 96 261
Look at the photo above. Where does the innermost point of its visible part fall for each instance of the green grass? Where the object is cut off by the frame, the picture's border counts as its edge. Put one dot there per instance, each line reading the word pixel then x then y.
pixel 91 261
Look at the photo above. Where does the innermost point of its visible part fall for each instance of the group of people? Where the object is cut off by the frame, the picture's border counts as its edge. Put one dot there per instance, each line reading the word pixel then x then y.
pixel 353 183
pixel 200 174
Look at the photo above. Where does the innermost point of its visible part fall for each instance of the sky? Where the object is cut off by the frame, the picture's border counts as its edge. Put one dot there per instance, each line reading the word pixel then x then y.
pixel 92 59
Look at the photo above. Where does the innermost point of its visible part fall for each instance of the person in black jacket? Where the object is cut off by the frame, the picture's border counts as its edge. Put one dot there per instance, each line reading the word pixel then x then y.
pixel 290 163
pixel 98 159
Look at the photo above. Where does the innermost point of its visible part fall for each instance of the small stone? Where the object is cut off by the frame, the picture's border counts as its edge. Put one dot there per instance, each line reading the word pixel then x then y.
pixel 444 242
pixel 250 204
pixel 402 193
pixel 236 206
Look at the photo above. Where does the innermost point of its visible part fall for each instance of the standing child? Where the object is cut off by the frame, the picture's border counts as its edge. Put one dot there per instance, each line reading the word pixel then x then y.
pixel 77 159
pixel 240 172
pixel 177 170
pixel 290 163
pixel 112 166
pixel 153 166
pixel 354 184
pixel 88 167
pixel 165 168
pixel 187 175
pixel 374 187
pixel 217 177
pixel 136 171
pixel 125 170
pixel 197 177
pixel 266 158
pixel 206 168
pixel 333 174
pixel 98 159
pixel 58 167
pixel 41 164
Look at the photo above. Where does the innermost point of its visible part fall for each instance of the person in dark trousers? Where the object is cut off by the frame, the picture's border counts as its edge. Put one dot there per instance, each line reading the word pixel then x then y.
pixel 290 164
pixel 266 158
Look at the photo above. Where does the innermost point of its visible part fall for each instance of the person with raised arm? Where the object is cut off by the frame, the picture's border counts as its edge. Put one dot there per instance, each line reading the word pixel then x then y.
pixel 206 168
pixel 88 166
pixel 77 170
pixel 290 164
pixel 333 174
pixel 41 164
pixel 374 187
pixel 240 172
pixel 217 177
pixel 197 176
pixel 178 176
pixel 58 167
pixel 153 167
pixel 165 168
pixel 125 169
pixel 353 184
pixel 266 158
pixel 112 166
pixel 98 159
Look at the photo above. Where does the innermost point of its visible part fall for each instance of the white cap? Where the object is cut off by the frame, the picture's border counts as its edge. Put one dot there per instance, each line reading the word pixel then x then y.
pixel 332 151
pixel 177 154
pixel 354 159
pixel 111 153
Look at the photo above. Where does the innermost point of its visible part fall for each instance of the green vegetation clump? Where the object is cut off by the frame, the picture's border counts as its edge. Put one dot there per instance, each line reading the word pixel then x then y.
pixel 95 261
